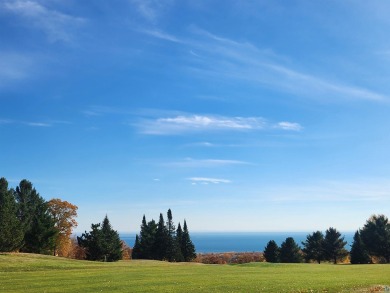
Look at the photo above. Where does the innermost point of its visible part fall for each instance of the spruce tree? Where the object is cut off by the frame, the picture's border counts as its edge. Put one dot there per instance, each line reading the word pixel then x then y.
pixel 179 240
pixel 11 234
pixel 111 243
pixel 313 247
pixel 161 240
pixel 90 241
pixel 147 238
pixel 173 251
pixel 334 246
pixel 271 252
pixel 37 224
pixel 102 243
pixel 376 236
pixel 358 253
pixel 136 251
pixel 187 247
pixel 290 251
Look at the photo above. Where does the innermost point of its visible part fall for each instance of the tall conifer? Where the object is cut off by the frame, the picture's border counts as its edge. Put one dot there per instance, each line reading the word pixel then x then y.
pixel 11 234
pixel 334 246
pixel 37 224
pixel 358 253
pixel 187 247
pixel 161 240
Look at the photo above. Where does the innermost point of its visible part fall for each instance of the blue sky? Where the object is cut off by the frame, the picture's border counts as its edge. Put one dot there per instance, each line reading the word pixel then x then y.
pixel 237 115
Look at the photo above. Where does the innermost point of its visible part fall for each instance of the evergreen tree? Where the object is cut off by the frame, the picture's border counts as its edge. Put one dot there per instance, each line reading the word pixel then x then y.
pixel 271 252
pixel 37 224
pixel 42 235
pixel 102 242
pixel 111 243
pixel 179 240
pixel 313 247
pixel 187 247
pixel 173 251
pixel 161 240
pixel 90 241
pixel 147 238
pixel 11 234
pixel 290 251
pixel 136 251
pixel 376 236
pixel 359 254
pixel 334 246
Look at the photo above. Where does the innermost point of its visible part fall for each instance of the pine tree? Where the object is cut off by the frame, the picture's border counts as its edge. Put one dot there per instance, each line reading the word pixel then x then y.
pixel 37 224
pixel 111 243
pixel 376 236
pixel 161 240
pixel 147 238
pixel 11 234
pixel 271 252
pixel 314 247
pixel 136 251
pixel 290 251
pixel 179 240
pixel 334 246
pixel 90 241
pixel 187 247
pixel 173 251
pixel 102 243
pixel 359 254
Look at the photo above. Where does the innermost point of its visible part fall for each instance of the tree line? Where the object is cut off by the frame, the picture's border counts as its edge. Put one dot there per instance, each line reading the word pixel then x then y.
pixel 370 244
pixel 30 224
pixel 161 241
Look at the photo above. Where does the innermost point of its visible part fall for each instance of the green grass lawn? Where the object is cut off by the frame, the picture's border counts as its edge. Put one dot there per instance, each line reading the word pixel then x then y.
pixel 37 273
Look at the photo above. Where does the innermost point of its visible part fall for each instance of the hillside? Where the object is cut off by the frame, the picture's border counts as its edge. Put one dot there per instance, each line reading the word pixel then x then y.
pixel 37 273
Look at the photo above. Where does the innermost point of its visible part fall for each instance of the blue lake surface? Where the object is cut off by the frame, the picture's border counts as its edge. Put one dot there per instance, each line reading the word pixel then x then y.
pixel 207 242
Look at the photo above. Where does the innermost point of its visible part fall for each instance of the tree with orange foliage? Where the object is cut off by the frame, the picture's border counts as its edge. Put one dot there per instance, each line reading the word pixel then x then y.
pixel 63 214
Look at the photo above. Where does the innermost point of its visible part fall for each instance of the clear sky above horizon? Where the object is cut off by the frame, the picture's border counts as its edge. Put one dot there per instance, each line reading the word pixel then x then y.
pixel 237 115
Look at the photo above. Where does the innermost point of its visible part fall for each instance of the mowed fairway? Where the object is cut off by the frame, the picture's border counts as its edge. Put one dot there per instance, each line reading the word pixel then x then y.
pixel 37 273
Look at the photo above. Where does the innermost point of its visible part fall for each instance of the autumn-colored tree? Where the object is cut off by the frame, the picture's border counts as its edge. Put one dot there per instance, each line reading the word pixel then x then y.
pixel 64 214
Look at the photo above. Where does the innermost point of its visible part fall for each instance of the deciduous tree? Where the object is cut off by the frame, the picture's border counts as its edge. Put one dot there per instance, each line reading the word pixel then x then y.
pixel 64 214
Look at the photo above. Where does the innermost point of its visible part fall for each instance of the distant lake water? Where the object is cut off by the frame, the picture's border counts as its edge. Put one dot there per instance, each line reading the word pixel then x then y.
pixel 207 242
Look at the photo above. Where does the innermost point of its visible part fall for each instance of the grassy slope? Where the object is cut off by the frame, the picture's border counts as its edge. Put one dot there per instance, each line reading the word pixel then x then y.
pixel 36 273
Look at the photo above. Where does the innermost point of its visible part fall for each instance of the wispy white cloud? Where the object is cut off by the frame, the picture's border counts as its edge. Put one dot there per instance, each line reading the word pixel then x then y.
pixel 206 163
pixel 289 126
pixel 162 35
pixel 48 123
pixel 151 10
pixel 206 180
pixel 38 124
pixel 191 123
pixel 55 24
pixel 229 59
pixel 183 124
